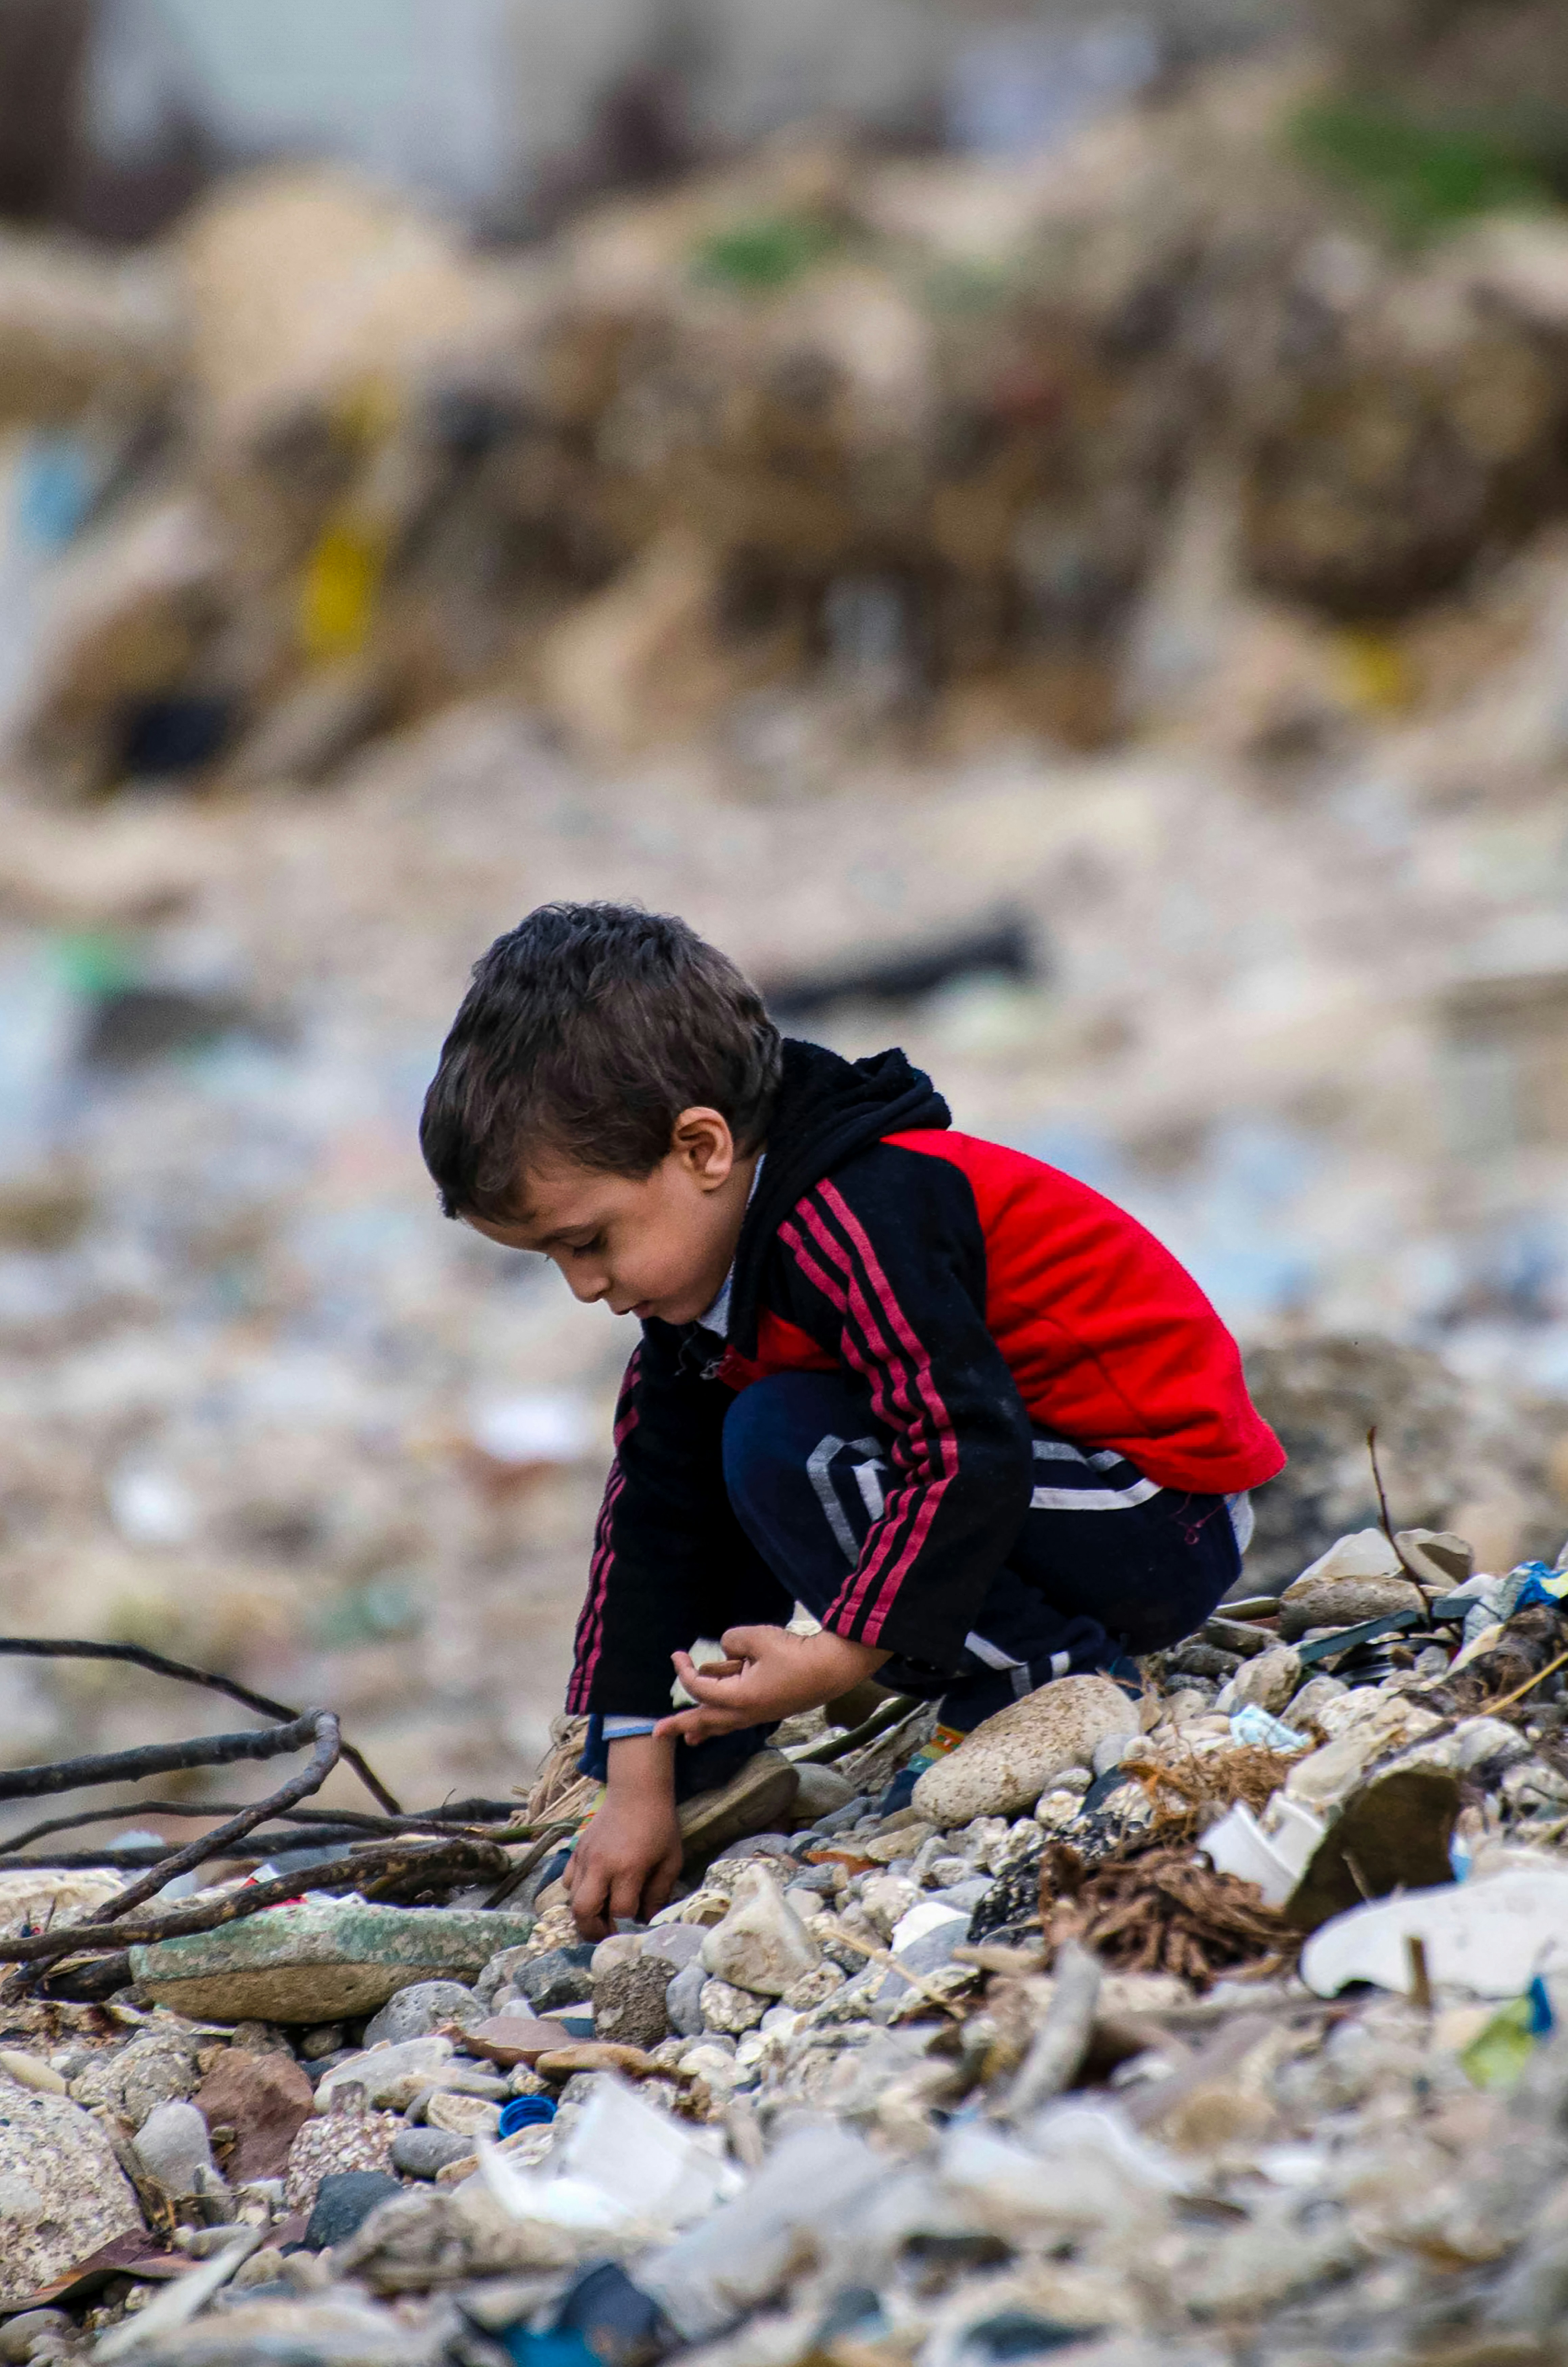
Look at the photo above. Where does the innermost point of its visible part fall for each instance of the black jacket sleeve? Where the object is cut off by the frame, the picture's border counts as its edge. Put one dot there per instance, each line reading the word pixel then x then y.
pixel 671 1562
pixel 884 1264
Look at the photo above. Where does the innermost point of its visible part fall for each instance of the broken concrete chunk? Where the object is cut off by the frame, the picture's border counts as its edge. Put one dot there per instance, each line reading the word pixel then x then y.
pixel 321 1960
pixel 62 2194
pixel 1003 1768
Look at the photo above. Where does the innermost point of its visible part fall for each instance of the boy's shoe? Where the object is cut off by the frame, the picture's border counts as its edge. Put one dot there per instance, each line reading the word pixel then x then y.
pixel 901 1791
pixel 1124 1671
pixel 756 1800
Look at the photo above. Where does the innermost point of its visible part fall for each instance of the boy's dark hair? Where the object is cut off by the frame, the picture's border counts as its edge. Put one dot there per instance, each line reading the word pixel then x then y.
pixel 587 1030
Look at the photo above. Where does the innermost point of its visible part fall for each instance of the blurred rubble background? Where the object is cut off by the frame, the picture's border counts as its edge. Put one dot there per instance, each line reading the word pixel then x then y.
pixel 1043 529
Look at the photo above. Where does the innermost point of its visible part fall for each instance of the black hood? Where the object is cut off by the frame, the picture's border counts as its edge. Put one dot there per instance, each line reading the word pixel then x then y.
pixel 827 1109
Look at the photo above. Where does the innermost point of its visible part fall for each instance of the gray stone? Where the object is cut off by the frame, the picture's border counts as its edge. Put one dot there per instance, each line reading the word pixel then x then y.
pixel 422 2007
pixel 1330 1601
pixel 560 1977
pixel 628 2002
pixel 319 1959
pixel 1269 1680
pixel 683 2000
pixel 344 2200
pixel 158 2067
pixel 172 2145
pixel 678 1944
pixel 1010 1760
pixel 822 1790
pixel 500 1973
pixel 420 2153
pixel 62 2194
pixel 47 2331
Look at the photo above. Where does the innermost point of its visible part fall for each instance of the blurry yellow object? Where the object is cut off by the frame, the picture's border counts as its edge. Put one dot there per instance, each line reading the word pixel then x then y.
pixel 341 587
pixel 1498 2055
pixel 1376 672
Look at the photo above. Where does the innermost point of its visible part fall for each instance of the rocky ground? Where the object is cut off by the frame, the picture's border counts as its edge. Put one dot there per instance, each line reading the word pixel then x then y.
pixel 1151 2027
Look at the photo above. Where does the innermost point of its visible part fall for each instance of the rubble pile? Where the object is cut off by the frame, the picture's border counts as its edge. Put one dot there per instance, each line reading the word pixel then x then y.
pixel 1238 2038
pixel 918 431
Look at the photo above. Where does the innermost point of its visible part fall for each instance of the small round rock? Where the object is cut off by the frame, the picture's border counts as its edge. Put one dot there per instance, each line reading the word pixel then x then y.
pixel 421 2153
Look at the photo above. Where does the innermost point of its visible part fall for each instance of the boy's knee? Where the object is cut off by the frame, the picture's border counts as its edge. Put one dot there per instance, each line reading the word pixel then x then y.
pixel 750 1445
pixel 769 1433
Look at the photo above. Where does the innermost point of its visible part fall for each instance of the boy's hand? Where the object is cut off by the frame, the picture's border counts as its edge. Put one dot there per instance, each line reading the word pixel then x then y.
pixel 769 1675
pixel 629 1856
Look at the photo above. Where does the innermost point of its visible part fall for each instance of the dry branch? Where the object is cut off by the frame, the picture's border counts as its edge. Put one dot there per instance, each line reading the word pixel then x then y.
pixel 75 1648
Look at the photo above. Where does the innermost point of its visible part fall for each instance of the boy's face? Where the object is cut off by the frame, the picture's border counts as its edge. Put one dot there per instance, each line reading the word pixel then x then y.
pixel 653 1245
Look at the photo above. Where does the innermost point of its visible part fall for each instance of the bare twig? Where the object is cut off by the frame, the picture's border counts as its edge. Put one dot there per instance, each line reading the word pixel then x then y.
pixel 1383 1505
pixel 72 1648
pixel 153 1758
pixel 321 1826
pixel 324 1733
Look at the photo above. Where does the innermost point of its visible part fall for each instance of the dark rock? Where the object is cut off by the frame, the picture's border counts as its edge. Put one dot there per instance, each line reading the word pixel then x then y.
pixel 558 1978
pixel 344 2200
pixel 622 2326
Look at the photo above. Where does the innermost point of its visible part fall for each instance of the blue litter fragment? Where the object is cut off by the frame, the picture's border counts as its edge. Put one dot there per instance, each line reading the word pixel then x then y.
pixel 526 2112
pixel 1542 2019
pixel 565 2348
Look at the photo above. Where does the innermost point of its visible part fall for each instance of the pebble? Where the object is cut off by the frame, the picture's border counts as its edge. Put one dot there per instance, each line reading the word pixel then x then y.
pixel 422 2007
pixel 340 2141
pixel 157 2067
pixel 761 1943
pixel 684 1996
pixel 1010 1760
pixel 319 1959
pixel 678 1944
pixel 344 2200
pixel 727 2007
pixel 173 2146
pixel 1269 1680
pixel 560 1979
pixel 421 2153
pixel 629 2001
pixel 822 1790
pixel 31 2071
pixel 463 2116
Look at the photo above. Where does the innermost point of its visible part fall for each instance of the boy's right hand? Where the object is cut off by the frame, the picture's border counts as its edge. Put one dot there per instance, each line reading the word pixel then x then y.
pixel 629 1859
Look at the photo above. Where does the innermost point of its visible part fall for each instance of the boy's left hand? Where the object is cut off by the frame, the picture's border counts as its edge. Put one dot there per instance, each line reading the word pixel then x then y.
pixel 768 1675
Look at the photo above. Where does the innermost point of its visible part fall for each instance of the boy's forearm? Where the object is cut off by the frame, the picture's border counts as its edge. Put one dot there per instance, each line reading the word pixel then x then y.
pixel 643 1763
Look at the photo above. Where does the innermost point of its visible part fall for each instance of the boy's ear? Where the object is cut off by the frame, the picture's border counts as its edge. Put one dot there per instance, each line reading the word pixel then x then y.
pixel 700 1139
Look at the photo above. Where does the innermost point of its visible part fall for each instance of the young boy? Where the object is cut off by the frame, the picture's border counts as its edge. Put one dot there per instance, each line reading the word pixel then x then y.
pixel 968 1412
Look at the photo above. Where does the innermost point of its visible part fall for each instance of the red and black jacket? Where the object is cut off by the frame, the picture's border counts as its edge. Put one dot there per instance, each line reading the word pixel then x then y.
pixel 975 1293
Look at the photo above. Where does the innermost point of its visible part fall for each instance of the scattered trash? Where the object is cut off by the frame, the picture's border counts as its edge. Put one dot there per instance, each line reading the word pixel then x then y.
pixel 1491 1936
